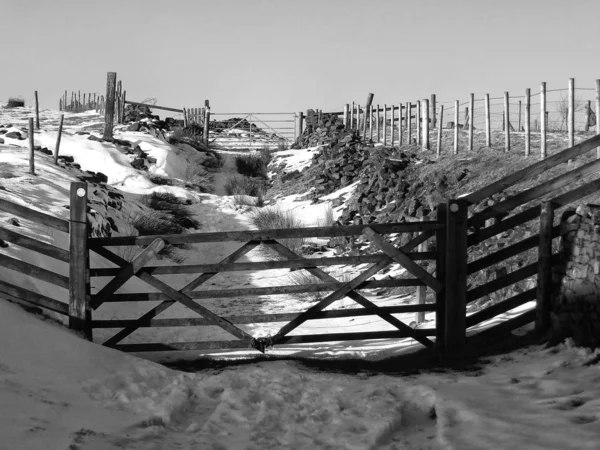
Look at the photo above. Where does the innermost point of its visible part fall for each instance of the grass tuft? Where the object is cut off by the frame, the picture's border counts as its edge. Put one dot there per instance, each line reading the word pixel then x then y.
pixel 242 185
pixel 177 213
pixel 276 218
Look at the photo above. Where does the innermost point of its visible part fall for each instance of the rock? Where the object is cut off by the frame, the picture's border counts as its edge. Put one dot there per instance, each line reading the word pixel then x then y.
pixel 151 160
pixel 91 137
pixel 134 127
pixel 1 141
pixel 14 135
pixel 139 163
pixel 68 159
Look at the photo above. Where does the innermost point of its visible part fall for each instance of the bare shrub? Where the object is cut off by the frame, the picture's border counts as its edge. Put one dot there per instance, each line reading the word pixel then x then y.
pixel 276 218
pixel 171 206
pixel 251 165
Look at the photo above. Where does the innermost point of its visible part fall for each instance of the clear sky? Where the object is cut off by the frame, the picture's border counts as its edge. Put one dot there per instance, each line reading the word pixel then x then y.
pixel 285 56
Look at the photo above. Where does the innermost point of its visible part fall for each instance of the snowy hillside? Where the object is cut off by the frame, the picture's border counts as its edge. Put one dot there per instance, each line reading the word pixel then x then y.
pixel 58 391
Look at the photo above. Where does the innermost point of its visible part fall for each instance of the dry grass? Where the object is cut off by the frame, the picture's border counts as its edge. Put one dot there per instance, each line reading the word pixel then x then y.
pixel 242 185
pixel 276 218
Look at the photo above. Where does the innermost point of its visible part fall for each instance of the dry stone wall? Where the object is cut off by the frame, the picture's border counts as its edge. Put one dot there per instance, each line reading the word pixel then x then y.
pixel 576 302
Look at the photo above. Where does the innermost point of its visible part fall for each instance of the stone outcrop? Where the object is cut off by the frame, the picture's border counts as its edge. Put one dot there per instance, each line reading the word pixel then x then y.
pixel 576 301
pixel 319 130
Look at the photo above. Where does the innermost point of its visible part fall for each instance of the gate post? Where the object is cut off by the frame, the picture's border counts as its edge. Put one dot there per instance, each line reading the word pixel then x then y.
pixel 456 275
pixel 440 273
pixel 544 277
pixel 79 275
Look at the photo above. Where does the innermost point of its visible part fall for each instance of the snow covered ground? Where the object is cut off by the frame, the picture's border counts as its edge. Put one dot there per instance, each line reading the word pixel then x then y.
pixel 58 391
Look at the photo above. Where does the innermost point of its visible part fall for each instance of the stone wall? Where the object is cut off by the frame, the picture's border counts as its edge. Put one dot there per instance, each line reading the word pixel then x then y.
pixel 576 300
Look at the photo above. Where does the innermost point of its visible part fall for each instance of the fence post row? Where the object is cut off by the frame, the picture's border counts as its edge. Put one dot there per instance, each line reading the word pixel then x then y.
pixel 456 275
pixel 79 275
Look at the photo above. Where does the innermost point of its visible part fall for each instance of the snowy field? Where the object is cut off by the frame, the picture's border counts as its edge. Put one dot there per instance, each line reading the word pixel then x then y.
pixel 61 392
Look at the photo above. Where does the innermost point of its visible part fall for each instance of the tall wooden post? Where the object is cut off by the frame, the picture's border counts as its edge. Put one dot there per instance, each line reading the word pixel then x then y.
pixel 123 99
pixel 109 115
pixel 37 112
pixel 206 124
pixel 79 276
pixel 366 112
pixel 471 120
pixel 346 116
pixel 456 127
pixel 488 131
pixel 378 125
pixel 400 129
pixel 440 126
pixel 519 117
pixel 433 112
pixel 301 123
pixel 371 123
pixel 78 98
pixel 425 109
pixel 544 277
pixel 60 127
pixel 418 120
pixel 571 113
pixel 422 290
pixel 384 125
pixel 352 116
pixel 543 150
pixel 506 124
pixel 31 151
pixel 588 108
pixel 527 122
pixel 409 122
pixel 440 270
pixel 456 275
pixel 392 109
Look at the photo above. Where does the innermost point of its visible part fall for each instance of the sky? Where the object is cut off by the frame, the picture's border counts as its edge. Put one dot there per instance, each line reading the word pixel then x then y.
pixel 289 56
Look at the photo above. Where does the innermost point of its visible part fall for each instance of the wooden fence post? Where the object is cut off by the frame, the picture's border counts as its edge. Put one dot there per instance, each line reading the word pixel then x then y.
pixel 471 119
pixel 371 123
pixel 488 135
pixel 346 115
pixel 456 127
pixel 78 98
pixel 37 112
pixel 206 124
pixel 440 126
pixel 519 117
pixel 543 150
pixel 409 123
pixel 425 109
pixel 79 279
pixel 527 122
pixel 185 118
pixel 456 275
pixel 123 98
pixel 60 127
pixel 571 112
pixel 422 290
pixel 400 130
pixel 440 271
pixel 392 108
pixel 301 122
pixel 378 125
pixel 366 112
pixel 109 115
pixel 384 125
pixel 352 116
pixel 31 151
pixel 418 120
pixel 588 108
pixel 433 112
pixel 544 276
pixel 506 124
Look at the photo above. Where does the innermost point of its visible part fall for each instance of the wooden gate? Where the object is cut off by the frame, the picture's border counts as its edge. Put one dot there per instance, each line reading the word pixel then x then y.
pixel 275 241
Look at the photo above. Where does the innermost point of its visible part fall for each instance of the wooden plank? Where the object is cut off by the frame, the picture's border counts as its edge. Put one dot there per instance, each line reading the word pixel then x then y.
pixel 536 192
pixel 34 216
pixel 356 296
pixel 35 245
pixel 403 260
pixel 544 275
pixel 506 326
pixel 456 275
pixel 177 296
pixel 261 318
pixel 79 280
pixel 502 307
pixel 19 294
pixel 534 170
pixel 268 290
pixel 127 272
pixel 34 271
pixel 261 265
pixel 502 282
pixel 534 212
pixel 507 252
pixel 250 235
